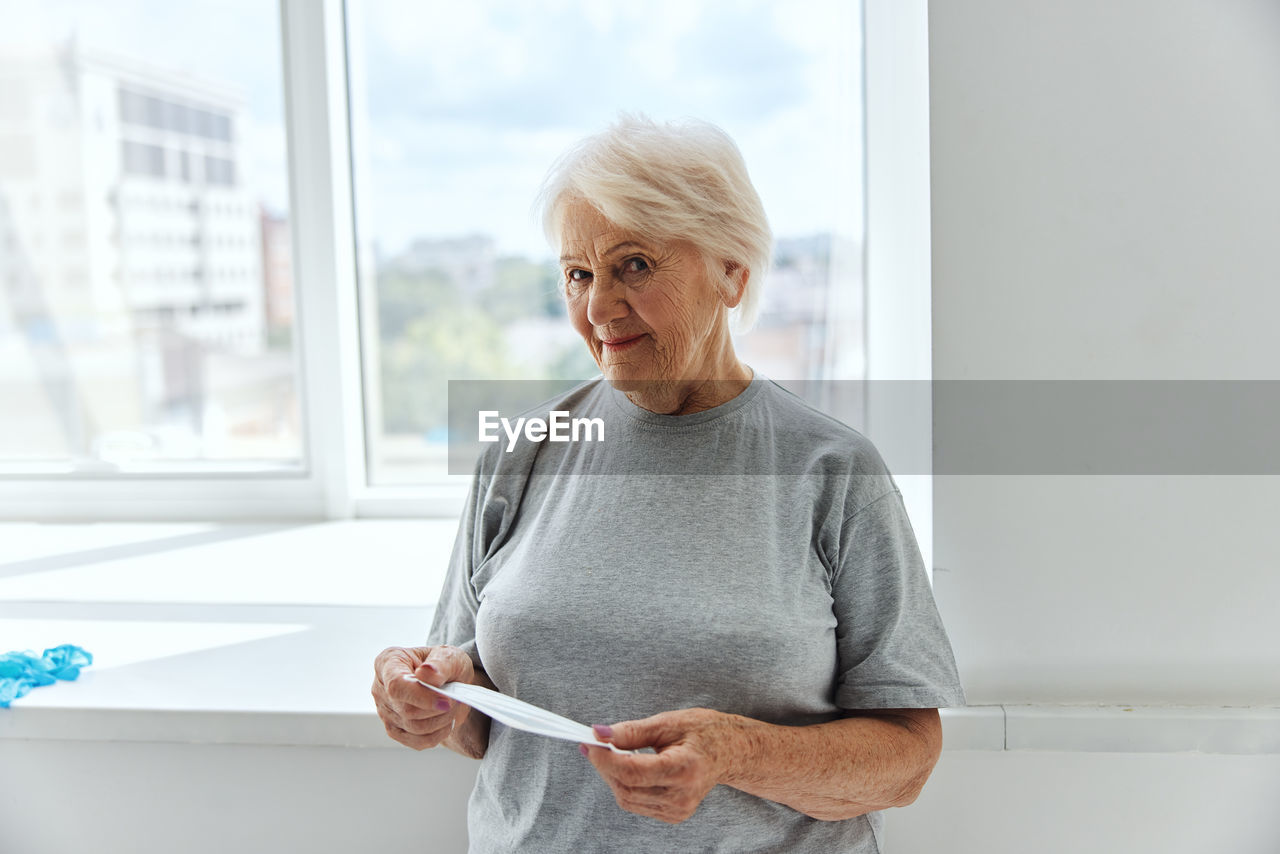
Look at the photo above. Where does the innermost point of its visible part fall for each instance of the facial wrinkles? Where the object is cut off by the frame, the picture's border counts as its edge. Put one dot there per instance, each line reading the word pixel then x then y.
pixel 601 257
pixel 676 345
pixel 671 303
pixel 682 347
pixel 689 324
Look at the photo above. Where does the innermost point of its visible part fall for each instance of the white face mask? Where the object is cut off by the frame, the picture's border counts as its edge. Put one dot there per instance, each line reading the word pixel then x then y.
pixel 521 715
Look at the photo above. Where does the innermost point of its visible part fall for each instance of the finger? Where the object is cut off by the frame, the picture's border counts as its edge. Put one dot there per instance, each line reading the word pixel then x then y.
pixel 662 802
pixel 394 668
pixel 417 700
pixel 643 800
pixel 428 703
pixel 634 770
pixel 445 664
pixel 451 709
pixel 440 707
pixel 423 704
pixel 668 803
pixel 411 723
pixel 653 797
pixel 388 714
pixel 438 727
pixel 395 661
pixel 672 805
pixel 652 809
pixel 654 731
pixel 406 692
pixel 414 740
pixel 426 724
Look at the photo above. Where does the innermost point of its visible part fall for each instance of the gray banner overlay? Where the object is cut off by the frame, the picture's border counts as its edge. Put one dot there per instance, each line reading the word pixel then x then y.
pixel 979 427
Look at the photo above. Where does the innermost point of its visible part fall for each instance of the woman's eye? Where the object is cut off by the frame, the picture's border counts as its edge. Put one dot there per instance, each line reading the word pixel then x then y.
pixel 635 265
pixel 579 276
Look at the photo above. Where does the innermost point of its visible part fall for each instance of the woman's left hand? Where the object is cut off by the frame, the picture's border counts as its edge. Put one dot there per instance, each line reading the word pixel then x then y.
pixel 694 748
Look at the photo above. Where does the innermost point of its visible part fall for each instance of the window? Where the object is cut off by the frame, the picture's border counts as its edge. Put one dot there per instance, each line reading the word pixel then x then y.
pixel 139 159
pixel 446 154
pixel 458 110
pixel 219 170
pixel 145 123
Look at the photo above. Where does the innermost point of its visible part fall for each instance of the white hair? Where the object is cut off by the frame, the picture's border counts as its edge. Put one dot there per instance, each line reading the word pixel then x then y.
pixel 682 180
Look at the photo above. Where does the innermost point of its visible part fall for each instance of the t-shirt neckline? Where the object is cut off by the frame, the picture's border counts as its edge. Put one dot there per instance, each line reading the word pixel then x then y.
pixel 657 419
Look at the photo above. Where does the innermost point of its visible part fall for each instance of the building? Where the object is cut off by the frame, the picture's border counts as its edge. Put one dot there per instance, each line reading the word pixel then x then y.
pixel 130 250
pixel 277 270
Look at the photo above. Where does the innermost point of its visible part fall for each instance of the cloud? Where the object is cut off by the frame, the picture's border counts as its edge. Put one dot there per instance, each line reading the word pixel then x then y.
pixel 467 104
pixel 546 66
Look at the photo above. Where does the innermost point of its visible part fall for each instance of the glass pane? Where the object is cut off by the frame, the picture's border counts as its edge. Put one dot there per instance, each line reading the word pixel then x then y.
pixel 460 108
pixel 146 298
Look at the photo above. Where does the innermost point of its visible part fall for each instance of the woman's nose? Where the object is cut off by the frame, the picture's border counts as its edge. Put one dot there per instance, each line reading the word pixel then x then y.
pixel 607 302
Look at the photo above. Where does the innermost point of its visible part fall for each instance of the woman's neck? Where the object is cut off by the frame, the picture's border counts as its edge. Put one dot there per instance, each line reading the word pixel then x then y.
pixel 685 397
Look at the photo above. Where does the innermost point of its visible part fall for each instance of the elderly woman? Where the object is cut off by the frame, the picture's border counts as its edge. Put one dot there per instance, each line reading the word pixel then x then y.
pixel 729 578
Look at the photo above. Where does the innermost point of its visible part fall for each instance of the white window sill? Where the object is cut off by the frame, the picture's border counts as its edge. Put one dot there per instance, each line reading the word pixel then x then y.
pixel 265 634
pixel 236 633
pixel 1113 729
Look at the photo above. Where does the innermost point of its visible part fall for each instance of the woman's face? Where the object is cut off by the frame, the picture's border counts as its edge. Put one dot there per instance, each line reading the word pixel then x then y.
pixel 652 320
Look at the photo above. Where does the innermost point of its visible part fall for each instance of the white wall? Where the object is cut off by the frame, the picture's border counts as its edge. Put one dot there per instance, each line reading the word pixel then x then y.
pixel 1032 802
pixel 93 797
pixel 1106 205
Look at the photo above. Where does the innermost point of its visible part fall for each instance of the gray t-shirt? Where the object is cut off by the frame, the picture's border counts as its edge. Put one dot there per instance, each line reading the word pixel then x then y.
pixel 754 558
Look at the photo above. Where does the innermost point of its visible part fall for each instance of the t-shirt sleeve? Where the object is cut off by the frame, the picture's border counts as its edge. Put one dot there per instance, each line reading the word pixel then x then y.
pixel 892 649
pixel 454 622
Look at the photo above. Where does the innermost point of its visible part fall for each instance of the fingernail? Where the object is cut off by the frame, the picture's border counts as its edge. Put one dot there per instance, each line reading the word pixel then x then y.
pixel 603 730
pixel 442 705
pixel 431 667
pixel 582 748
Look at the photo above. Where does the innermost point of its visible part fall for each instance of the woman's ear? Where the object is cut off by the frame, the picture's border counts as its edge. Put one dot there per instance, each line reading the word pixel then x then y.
pixel 737 276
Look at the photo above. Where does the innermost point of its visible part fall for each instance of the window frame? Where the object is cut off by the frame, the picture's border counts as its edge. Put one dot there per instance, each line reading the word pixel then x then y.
pixel 332 314
pixel 898 257
pixel 314 79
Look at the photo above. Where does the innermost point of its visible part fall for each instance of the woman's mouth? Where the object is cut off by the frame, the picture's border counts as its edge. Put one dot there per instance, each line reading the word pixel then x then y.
pixel 618 345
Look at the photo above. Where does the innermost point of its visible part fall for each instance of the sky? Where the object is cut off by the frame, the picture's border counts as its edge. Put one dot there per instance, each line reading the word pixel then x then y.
pixel 493 91
pixel 458 108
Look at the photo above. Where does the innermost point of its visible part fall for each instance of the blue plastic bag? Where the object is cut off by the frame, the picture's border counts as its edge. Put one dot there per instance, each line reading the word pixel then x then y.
pixel 22 671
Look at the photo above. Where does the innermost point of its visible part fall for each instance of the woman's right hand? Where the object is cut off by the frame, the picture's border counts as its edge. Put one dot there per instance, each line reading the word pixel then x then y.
pixel 413 715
